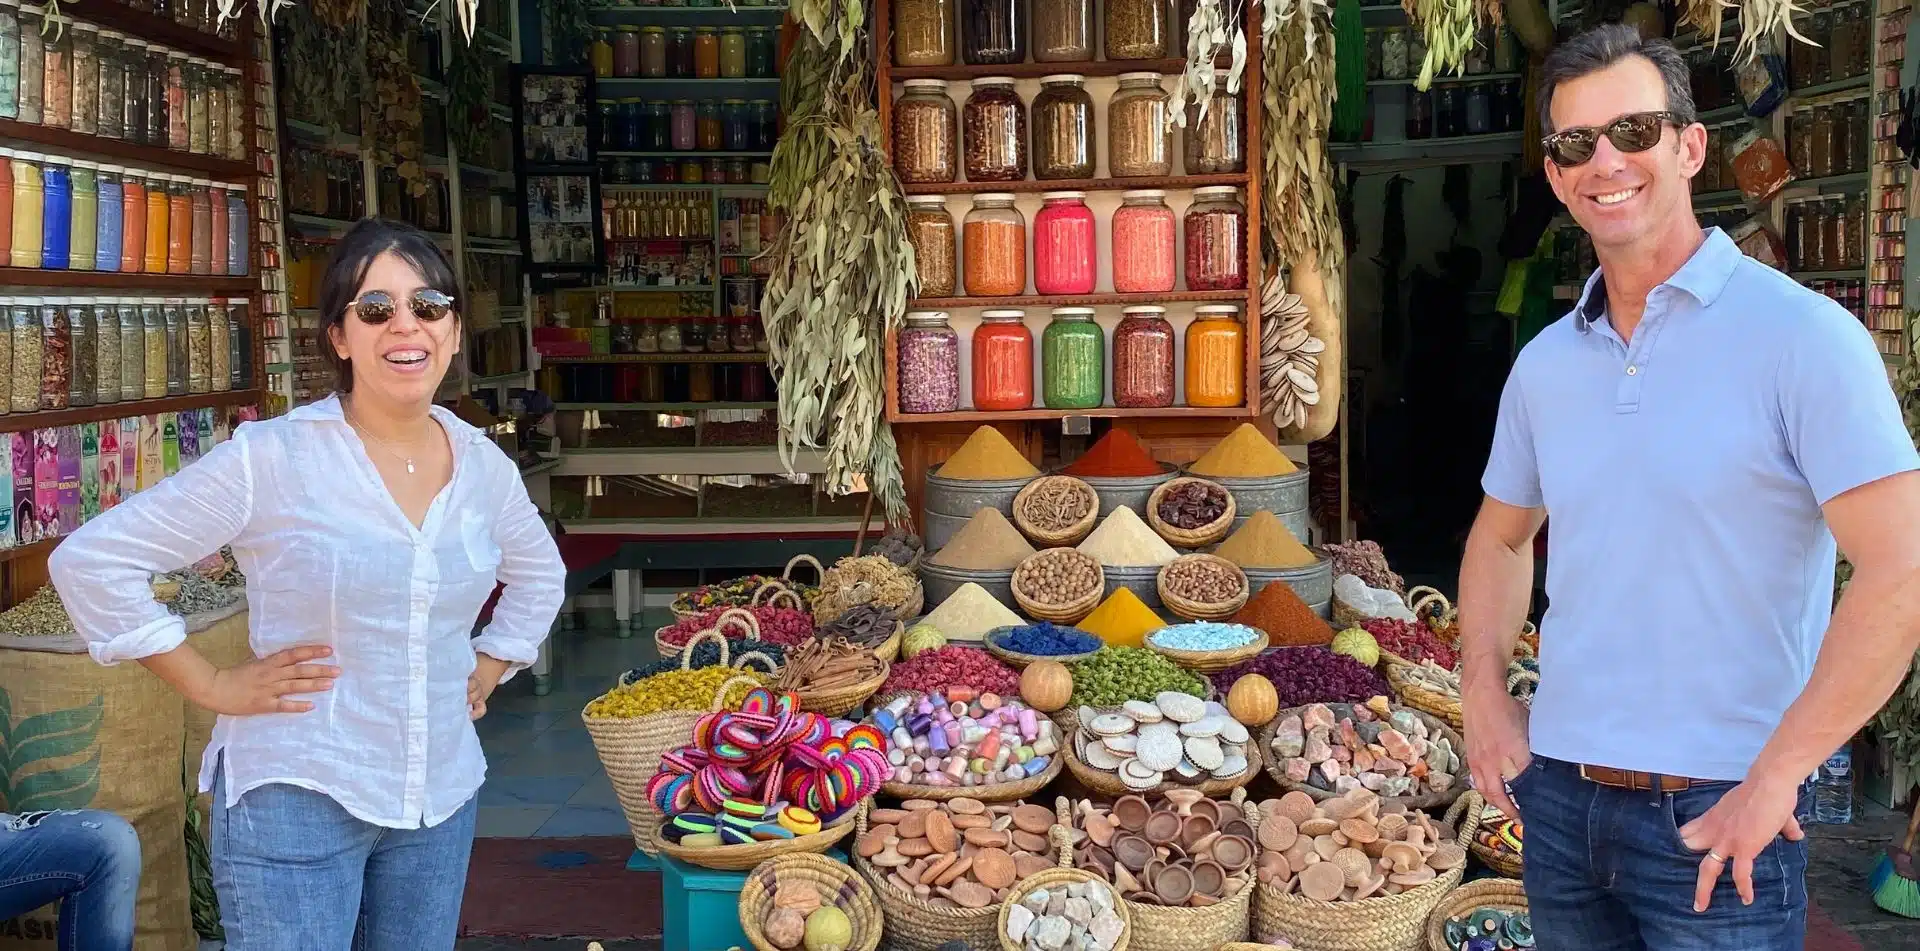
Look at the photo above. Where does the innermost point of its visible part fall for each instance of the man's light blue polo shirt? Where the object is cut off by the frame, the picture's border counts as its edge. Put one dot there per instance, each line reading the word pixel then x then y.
pixel 1689 568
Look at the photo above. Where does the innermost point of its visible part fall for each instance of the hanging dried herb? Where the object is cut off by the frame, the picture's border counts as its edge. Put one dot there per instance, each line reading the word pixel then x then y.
pixel 572 30
pixel 470 77
pixel 325 65
pixel 842 269
pixel 391 121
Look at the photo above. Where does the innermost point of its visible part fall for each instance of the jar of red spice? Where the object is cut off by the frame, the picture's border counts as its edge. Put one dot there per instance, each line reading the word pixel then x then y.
pixel 1144 239
pixel 1216 240
pixel 1143 357
pixel 1216 356
pixel 994 236
pixel 1002 362
pixel 1063 243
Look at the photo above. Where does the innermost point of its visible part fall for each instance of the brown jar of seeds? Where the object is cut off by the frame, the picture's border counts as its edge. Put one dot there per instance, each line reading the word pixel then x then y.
pixel 995 132
pixel 926 131
pixel 1063 129
pixel 1139 141
pixel 1217 144
pixel 930 231
pixel 1062 31
pixel 923 33
pixel 1137 29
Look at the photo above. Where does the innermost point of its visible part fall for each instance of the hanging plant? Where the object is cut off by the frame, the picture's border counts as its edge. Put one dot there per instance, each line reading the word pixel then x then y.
pixel 842 269
pixel 325 67
pixel 470 76
pixel 572 30
pixel 391 112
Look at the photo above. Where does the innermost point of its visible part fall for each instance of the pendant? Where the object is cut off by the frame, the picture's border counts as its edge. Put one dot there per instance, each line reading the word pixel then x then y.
pixel 409 467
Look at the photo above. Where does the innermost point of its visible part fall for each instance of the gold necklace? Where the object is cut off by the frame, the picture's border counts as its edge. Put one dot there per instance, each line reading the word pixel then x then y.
pixel 408 460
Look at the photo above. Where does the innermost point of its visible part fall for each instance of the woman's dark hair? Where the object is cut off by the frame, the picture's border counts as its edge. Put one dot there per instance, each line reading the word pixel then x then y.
pixel 348 266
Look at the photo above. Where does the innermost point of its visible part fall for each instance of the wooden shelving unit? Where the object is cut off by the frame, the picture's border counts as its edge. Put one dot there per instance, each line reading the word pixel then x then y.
pixel 47 419
pixel 1077 184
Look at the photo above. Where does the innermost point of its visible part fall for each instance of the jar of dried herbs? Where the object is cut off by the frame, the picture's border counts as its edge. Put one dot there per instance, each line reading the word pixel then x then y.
pixel 1062 31
pixel 173 315
pixel 33 66
pixel 56 355
pixel 995 133
pixel 199 355
pixel 23 326
pixel 9 58
pixel 111 120
pixel 83 382
pixel 1143 358
pixel 926 133
pixel 1063 129
pixel 923 33
pixel 1217 143
pixel 86 78
pixel 993 32
pixel 106 351
pixel 219 341
pixel 929 361
pixel 56 73
pixel 1139 139
pixel 1136 29
pixel 132 351
pixel 930 230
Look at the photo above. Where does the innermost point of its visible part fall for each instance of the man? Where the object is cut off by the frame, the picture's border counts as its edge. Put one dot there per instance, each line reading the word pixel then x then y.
pixel 87 860
pixel 1700 430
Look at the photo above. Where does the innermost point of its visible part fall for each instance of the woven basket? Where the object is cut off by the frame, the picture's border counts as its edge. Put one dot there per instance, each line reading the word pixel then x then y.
pixel 1072 534
pixel 1069 613
pixel 1019 661
pixel 740 617
pixel 739 858
pixel 1443 613
pixel 1189 537
pixel 630 751
pixel 841 701
pixel 1435 727
pixel 914 924
pixel 1422 698
pixel 1109 784
pixel 889 649
pixel 839 886
pixel 819 570
pixel 1507 863
pixel 1208 662
pixel 1500 894
pixel 998 792
pixel 1202 610
pixel 1046 879
pixel 1386 923
pixel 1184 927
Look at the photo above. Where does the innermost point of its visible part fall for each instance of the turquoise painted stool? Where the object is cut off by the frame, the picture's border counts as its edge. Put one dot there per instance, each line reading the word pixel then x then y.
pixel 701 905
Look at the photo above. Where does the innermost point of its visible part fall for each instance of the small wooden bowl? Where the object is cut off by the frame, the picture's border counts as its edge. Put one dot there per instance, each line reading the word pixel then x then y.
pixel 1197 610
pixel 1070 535
pixel 1206 534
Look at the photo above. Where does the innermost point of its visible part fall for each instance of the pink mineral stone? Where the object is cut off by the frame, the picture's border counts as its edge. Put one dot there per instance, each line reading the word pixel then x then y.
pixel 1362 759
pixel 1421 746
pixel 1319 715
pixel 1317 747
pixel 1342 755
pixel 1372 781
pixel 1298 769
pixel 1441 782
pixel 1289 737
pixel 1362 715
pixel 1348 738
pixel 1397 746
pixel 1331 770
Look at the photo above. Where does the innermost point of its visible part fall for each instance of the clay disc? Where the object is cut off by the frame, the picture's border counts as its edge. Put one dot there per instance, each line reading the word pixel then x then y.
pixel 966 806
pixel 993 867
pixel 940 832
pixel 1322 881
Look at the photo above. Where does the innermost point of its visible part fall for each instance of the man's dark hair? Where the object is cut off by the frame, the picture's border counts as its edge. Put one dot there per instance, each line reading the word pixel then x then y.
pixel 1603 46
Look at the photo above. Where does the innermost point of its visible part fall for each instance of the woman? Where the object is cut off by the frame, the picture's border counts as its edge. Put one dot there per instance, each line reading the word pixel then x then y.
pixel 372 526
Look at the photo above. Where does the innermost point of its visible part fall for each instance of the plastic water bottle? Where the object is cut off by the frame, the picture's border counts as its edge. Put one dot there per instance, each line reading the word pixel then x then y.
pixel 1833 791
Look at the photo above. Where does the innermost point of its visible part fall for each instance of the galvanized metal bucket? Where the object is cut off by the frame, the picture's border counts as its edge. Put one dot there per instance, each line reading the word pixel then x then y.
pixel 1130 491
pixel 941 582
pixel 948 503
pixel 1285 496
pixel 1314 583
pixel 1142 581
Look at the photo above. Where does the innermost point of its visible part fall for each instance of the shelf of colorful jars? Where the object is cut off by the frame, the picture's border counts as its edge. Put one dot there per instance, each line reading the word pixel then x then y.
pixel 165 285
pixel 1165 67
pixel 51 418
pixel 1168 182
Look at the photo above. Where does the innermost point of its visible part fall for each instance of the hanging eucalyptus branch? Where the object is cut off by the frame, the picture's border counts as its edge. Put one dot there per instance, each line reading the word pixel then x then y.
pixel 326 66
pixel 842 268
pixel 572 29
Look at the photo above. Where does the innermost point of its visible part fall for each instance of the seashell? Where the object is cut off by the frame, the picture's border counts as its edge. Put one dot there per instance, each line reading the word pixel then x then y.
pixel 1354 864
pixel 1124 744
pixel 1277 833
pixel 1186 770
pixel 1160 746
pixel 1098 756
pixel 1110 724
pixel 1296 805
pixel 1231 765
pixel 1322 882
pixel 1205 752
pixel 1233 731
pixel 1359 830
pixel 1140 711
pixel 1318 826
pixel 1324 846
pixel 1141 783
pixel 1205 726
pixel 1180 707
pixel 1084 714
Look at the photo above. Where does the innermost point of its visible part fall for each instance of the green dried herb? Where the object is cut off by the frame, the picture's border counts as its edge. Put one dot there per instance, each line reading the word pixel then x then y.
pixel 470 75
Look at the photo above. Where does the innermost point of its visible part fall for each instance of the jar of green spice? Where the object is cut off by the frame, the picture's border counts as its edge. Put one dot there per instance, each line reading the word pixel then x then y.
pixel 1073 360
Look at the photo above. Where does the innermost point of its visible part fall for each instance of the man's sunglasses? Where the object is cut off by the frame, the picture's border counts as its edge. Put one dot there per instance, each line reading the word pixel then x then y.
pixel 1633 132
pixel 376 307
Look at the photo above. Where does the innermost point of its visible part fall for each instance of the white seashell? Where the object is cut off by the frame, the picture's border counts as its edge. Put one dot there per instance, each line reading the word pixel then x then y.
pixel 1141 711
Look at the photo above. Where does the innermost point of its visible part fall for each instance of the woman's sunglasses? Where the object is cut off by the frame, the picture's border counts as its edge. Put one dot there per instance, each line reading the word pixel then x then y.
pixel 1633 132
pixel 376 307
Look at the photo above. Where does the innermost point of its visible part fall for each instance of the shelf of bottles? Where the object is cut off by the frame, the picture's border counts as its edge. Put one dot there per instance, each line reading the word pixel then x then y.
pixel 1886 312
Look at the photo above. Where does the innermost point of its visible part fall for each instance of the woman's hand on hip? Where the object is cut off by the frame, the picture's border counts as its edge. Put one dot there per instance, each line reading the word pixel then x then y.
pixel 486 675
pixel 262 685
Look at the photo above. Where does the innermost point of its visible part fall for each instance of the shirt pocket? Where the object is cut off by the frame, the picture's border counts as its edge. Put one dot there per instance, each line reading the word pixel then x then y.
pixel 476 541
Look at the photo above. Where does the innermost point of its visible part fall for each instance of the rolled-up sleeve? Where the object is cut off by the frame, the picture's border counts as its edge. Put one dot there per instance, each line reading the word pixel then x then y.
pixel 1513 468
pixel 533 575
pixel 103 571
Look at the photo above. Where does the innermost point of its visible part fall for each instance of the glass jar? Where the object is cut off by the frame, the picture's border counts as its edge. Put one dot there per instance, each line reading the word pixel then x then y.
pixel 1073 372
pixel 1143 358
pixel 133 221
pixel 671 340
pixel 1062 129
pixel 106 351
pixel 159 110
pixel 83 220
pixel 83 375
pixel 761 47
pixel 108 217
pixel 1394 62
pixel 736 126
pixel 709 136
pixel 718 339
pixel 1854 238
pixel 653 52
pixel 1217 144
pixel 133 91
pixel 995 132
pixel 132 348
pixel 199 107
pixel 29 203
pixel 1062 31
pixel 684 124
pixel 995 235
pixel 1799 145
pixel 23 324
pixel 929 361
pixel 1860 140
pixel 626 52
pixel 766 126
pixel 930 231
pixel 33 69
pixel 1139 139
pixel 1843 129
pixel 177 112
pixel 1216 230
pixel 9 70
pixel 1002 362
pixel 56 73
pixel 733 52
pixel 600 54
pixel 1820 163
pixel 219 110
pixel 1145 240
pixel 1063 245
pixel 56 356
pixel 200 210
pixel 199 349
pixel 179 225
pixel 923 33
pixel 236 124
pixel 740 335
pixel 219 226
pixel 680 52
pixel 1136 29
pixel 706 53
pixel 993 32
pixel 174 315
pixel 219 347
pixel 655 127
pixel 1216 356
pixel 239 228
pixel 56 215
pixel 1846 51
pixel 926 132
pixel 153 357
pixel 86 79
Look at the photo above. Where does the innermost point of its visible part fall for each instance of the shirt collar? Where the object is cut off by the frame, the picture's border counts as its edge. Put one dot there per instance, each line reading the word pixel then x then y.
pixel 1703 277
pixel 330 410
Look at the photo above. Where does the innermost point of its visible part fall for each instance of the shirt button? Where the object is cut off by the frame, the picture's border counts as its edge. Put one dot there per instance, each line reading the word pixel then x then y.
pixel 1632 370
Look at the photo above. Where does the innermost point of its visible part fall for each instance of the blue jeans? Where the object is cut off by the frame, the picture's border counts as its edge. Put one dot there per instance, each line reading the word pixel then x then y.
pixel 1606 871
pixel 86 859
pixel 295 872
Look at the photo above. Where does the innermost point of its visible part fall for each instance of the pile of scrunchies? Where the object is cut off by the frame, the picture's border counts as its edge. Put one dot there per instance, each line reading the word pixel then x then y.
pixel 771 751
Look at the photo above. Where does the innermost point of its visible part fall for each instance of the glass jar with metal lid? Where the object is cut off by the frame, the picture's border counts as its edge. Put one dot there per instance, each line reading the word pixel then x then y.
pixel 930 230
pixel 733 52
pixel 1145 239
pixel 923 33
pixel 1216 232
pixel 1143 358
pixel 86 78
pixel 1002 362
pixel 1073 369
pixel 926 133
pixel 1062 129
pixel 1063 31
pixel 994 235
pixel 929 363
pixel 1216 356
pixel 994 132
pixel 9 63
pixel 1217 142
pixel 33 67
pixel 1137 29
pixel 56 73
pixel 652 52
pixel 993 32
pixel 1064 246
pixel 1139 139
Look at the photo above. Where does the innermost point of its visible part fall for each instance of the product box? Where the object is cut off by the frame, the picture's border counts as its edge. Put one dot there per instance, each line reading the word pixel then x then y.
pixel 109 476
pixel 69 462
pixel 129 456
pixel 89 472
pixel 169 443
pixel 152 469
pixel 46 482
pixel 209 435
pixel 189 429
pixel 7 536
pixel 26 525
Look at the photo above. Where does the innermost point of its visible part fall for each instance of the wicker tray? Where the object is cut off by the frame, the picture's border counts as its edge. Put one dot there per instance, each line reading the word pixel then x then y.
pixel 1202 610
pixel 841 701
pixel 1059 876
pixel 1422 698
pixel 1208 662
pixel 1109 784
pixel 1200 537
pixel 1072 534
pixel 1428 801
pixel 1069 613
pixel 1502 894
pixel 1019 661
pixel 913 924
pixel 839 884
pixel 739 858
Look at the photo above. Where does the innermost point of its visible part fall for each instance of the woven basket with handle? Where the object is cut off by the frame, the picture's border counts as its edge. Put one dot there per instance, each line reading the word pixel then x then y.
pixel 739 858
pixel 916 924
pixel 1185 927
pixel 837 884
pixel 1109 784
pixel 1436 729
pixel 744 620
pixel 1060 877
pixel 1500 894
pixel 1423 698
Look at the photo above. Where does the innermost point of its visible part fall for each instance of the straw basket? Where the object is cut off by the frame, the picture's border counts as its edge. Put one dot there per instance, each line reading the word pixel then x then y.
pixel 1048 879
pixel 1185 927
pixel 819 570
pixel 1202 610
pixel 837 884
pixel 739 858
pixel 1110 784
pixel 742 618
pixel 1432 607
pixel 630 751
pixel 1019 661
pixel 1500 894
pixel 1070 535
pixel 915 924
pixel 1208 662
pixel 1435 729
pixel 1508 863
pixel 997 792
pixel 1207 534
pixel 1425 699
pixel 1386 923
pixel 840 701
pixel 1070 612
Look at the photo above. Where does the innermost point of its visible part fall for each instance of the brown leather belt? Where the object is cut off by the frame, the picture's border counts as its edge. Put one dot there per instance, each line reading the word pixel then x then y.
pixel 1629 779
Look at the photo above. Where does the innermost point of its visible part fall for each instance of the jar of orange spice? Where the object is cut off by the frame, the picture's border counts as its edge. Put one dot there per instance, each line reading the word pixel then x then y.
pixel 994 239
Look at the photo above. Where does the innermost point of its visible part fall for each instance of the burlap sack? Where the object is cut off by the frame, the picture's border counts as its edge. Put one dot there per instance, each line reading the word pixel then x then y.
pixel 75 734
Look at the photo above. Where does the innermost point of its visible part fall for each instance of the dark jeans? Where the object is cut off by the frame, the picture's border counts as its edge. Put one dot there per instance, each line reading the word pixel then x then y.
pixel 87 860
pixel 1606 871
